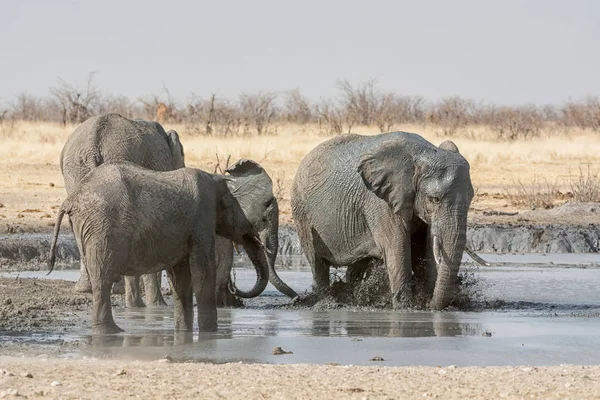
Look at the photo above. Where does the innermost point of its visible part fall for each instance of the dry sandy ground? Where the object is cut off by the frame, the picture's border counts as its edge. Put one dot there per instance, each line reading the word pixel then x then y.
pixel 100 379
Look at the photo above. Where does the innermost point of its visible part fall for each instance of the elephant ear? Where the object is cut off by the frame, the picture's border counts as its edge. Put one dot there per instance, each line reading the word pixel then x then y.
pixel 450 146
pixel 389 172
pixel 245 167
pixel 176 149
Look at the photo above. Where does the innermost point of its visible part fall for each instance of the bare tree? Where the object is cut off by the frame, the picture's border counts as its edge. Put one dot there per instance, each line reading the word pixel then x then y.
pixel 510 123
pixel 297 108
pixel 75 104
pixel 258 111
pixel 29 108
pixel 451 114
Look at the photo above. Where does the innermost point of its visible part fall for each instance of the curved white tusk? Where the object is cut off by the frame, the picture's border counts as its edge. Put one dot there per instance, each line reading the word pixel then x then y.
pixel 476 258
pixel 437 254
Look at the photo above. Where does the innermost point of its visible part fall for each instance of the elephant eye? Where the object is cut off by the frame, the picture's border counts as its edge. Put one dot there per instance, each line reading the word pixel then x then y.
pixel 268 203
pixel 433 199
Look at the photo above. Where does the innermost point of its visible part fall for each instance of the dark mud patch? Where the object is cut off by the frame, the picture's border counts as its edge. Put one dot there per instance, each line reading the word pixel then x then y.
pixel 40 304
pixel 372 291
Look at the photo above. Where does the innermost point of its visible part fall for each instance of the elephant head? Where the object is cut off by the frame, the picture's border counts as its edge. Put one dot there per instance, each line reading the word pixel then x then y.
pixel 252 188
pixel 433 184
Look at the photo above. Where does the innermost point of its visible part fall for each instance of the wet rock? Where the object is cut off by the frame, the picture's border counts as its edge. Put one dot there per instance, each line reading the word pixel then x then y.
pixel 376 358
pixel 27 375
pixel 355 339
pixel 487 334
pixel 167 359
pixel 278 351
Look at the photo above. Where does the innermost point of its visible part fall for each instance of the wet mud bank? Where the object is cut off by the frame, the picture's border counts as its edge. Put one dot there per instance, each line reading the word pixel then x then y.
pixel 19 252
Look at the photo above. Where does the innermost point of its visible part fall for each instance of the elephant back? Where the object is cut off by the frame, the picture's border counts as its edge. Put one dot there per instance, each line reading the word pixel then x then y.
pixel 112 138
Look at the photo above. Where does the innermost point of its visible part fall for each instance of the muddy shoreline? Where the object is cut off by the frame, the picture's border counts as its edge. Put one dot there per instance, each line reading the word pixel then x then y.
pixel 20 252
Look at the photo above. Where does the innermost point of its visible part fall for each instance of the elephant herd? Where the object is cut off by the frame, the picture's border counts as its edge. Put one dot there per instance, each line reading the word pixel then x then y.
pixel 136 210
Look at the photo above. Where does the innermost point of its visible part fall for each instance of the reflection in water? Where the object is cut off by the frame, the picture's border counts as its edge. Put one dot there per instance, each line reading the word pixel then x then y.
pixel 150 327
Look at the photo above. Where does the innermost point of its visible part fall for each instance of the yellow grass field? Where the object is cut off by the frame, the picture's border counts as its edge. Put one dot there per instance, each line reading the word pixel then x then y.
pixel 31 186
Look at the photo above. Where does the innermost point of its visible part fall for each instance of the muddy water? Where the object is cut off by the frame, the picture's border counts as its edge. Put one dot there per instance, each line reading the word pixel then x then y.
pixel 535 313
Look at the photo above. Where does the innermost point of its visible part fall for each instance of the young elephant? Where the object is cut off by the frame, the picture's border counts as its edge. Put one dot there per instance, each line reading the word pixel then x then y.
pixel 112 138
pixel 133 221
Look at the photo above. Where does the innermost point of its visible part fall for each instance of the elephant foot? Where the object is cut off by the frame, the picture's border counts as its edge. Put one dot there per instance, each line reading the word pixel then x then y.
pixel 156 303
pixel 119 287
pixel 83 286
pixel 134 303
pixel 402 300
pixel 106 329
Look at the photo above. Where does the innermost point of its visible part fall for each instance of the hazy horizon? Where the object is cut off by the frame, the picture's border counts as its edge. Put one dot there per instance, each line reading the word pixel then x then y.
pixel 513 52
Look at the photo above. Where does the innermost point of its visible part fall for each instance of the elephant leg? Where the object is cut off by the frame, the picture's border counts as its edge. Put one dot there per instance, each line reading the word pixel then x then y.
pixel 83 285
pixel 183 297
pixel 119 287
pixel 102 317
pixel 320 271
pixel 152 283
pixel 133 295
pixel 396 249
pixel 202 269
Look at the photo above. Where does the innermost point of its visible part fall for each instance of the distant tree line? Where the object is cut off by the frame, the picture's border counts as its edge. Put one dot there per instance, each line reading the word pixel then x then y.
pixel 363 104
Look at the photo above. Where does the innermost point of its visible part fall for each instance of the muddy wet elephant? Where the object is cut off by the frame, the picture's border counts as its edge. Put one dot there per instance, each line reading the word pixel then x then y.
pixel 252 183
pixel 133 221
pixel 392 197
pixel 111 138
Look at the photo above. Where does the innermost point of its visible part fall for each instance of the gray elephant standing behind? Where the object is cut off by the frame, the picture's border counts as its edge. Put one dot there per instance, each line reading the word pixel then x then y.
pixel 393 197
pixel 111 138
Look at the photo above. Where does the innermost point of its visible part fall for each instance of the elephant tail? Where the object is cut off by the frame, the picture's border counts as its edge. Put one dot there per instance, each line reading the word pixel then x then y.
pixel 64 209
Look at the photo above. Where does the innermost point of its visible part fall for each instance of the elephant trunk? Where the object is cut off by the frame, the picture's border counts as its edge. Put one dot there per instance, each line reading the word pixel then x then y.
pixel 448 247
pixel 257 252
pixel 270 237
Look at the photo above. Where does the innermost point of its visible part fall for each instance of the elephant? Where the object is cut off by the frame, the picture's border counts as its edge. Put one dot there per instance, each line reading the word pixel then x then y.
pixel 393 198
pixel 133 221
pixel 112 138
pixel 253 182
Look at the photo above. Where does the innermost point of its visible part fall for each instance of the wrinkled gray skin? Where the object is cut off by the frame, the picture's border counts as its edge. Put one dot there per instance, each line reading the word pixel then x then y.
pixel 393 197
pixel 255 188
pixel 111 138
pixel 133 221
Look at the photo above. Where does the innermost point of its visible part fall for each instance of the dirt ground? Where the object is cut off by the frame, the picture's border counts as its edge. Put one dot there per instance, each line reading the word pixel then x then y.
pixel 100 379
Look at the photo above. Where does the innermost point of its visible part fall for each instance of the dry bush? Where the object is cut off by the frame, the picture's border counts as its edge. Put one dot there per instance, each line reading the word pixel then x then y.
pixel 331 118
pixel 279 185
pixel 539 193
pixel 451 114
pixel 75 104
pixel 584 115
pixel 258 112
pixel 585 186
pixel 297 108
pixel 511 123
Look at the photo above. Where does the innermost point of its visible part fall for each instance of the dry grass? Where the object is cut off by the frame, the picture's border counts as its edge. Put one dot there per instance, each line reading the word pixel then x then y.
pixel 501 171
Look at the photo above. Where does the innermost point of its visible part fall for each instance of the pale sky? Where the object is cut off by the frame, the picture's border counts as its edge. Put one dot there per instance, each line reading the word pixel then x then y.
pixel 509 51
